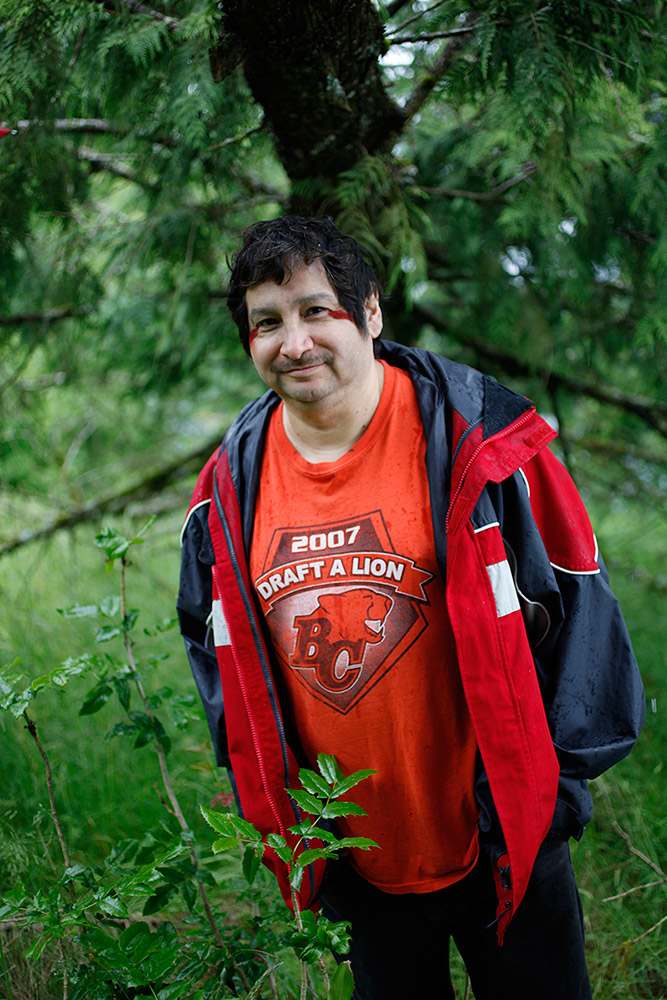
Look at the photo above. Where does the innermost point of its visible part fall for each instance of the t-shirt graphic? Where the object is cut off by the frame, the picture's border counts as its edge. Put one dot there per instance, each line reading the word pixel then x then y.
pixel 341 605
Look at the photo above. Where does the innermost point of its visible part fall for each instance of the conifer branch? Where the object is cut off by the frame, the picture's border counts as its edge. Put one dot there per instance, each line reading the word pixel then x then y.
pixel 135 7
pixel 431 36
pixel 527 171
pixel 438 69
pixel 651 411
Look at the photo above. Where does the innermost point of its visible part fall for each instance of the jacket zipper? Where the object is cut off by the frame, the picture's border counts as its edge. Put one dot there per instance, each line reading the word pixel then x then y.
pixel 519 422
pixel 241 679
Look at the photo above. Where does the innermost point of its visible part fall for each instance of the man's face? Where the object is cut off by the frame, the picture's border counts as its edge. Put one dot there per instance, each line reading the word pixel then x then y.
pixel 304 345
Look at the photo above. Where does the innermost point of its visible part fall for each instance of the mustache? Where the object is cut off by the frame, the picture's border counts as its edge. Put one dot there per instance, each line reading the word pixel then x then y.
pixel 305 361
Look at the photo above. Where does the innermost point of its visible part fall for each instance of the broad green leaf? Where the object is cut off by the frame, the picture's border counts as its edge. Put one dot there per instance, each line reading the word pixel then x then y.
pixel 342 983
pixel 307 801
pixel 223 844
pixel 79 611
pixel 222 822
pixel 276 841
pixel 113 907
pixel 121 729
pixel 110 606
pixel 313 854
pixel 251 864
pixel 314 783
pixel 335 809
pixel 296 877
pixel 329 768
pixel 352 779
pixel 107 632
pixel 363 843
pixel 95 699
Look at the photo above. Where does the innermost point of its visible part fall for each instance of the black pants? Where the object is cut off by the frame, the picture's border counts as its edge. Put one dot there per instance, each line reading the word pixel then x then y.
pixel 400 943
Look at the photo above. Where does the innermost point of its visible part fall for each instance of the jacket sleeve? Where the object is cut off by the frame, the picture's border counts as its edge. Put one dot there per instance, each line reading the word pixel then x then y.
pixel 194 612
pixel 590 682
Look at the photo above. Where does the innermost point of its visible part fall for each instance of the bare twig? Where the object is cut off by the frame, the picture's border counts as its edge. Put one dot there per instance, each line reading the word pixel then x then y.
pixel 635 888
pixel 633 850
pixel 32 729
pixel 646 933
pixel 162 759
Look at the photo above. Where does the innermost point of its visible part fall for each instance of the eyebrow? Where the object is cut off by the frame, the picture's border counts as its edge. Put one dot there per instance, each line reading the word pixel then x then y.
pixel 303 300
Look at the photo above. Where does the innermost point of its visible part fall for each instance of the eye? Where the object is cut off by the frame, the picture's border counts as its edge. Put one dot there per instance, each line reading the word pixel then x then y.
pixel 316 310
pixel 267 323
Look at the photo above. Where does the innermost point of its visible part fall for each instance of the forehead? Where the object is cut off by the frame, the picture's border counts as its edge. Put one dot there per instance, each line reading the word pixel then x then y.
pixel 305 282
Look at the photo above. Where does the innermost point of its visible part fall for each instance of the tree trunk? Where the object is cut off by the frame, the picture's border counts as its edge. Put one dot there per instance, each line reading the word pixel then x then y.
pixel 313 67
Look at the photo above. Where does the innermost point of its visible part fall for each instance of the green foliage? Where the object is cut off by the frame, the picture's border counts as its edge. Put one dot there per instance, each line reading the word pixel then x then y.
pixel 518 221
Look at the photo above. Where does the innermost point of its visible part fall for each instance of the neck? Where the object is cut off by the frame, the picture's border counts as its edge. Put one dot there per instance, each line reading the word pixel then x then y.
pixel 325 431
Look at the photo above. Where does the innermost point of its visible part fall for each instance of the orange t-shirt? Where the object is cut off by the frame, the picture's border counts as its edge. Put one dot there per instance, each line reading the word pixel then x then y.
pixel 343 562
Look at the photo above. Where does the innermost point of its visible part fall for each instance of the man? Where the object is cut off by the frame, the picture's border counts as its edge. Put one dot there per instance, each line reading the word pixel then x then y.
pixel 383 561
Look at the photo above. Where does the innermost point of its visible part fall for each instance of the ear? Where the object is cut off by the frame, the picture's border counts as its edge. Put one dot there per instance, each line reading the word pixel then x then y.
pixel 373 315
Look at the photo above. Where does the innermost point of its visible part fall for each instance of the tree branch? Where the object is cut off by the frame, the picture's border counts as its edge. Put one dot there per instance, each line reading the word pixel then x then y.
pixel 110 163
pixel 135 7
pixel 44 316
pixel 429 80
pixel 116 503
pixel 529 168
pixel 431 36
pixel 651 411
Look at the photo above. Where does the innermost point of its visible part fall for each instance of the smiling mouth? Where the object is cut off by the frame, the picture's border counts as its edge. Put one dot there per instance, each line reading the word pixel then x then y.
pixel 301 369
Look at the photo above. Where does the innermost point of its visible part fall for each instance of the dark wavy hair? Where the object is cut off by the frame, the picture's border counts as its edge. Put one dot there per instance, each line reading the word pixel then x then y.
pixel 272 250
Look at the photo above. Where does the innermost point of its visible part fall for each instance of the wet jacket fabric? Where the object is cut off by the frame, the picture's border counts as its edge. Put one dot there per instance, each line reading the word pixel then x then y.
pixel 547 668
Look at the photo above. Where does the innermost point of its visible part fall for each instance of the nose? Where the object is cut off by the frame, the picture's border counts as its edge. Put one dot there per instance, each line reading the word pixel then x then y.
pixel 296 339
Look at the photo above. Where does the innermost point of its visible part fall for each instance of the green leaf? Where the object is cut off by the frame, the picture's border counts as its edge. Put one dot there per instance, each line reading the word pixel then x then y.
pixel 296 877
pixel 224 844
pixel 110 606
pixel 96 699
pixel 222 822
pixel 312 854
pixel 352 779
pixel 129 620
pixel 275 841
pixel 363 843
pixel 107 632
pixel 113 907
pixel 342 983
pixel 114 544
pixel 123 691
pixel 121 729
pixel 79 611
pixel 329 768
pixel 307 801
pixel 251 864
pixel 314 783
pixel 335 809
pixel 159 899
pixel 190 893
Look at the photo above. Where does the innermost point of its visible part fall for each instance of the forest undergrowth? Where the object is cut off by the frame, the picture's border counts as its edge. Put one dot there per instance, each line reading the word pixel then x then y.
pixel 109 883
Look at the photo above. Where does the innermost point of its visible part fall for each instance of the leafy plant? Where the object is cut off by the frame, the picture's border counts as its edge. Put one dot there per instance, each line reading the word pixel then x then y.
pixel 320 797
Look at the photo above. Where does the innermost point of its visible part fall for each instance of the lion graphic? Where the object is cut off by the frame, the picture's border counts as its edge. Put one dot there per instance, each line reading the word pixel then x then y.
pixel 332 639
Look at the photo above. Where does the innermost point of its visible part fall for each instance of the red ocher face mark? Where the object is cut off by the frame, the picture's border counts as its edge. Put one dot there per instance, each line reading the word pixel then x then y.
pixel 339 314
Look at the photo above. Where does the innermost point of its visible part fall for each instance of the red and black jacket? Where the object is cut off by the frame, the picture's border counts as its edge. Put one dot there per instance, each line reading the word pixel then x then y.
pixel 547 667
